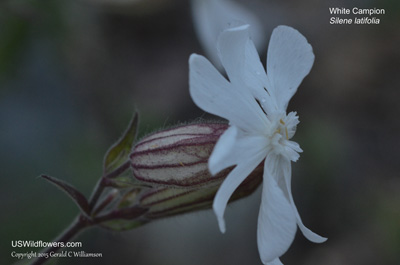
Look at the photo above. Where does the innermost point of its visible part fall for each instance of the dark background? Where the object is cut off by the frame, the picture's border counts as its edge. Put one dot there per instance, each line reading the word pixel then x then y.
pixel 73 72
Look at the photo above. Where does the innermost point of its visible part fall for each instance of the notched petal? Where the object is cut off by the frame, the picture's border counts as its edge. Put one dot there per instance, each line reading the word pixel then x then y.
pixel 290 58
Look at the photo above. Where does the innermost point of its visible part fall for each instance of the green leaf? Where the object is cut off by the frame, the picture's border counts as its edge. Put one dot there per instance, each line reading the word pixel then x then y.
pixel 72 192
pixel 119 152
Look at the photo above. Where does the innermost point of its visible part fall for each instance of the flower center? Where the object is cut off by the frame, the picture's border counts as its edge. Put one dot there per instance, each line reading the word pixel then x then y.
pixel 283 128
pixel 280 129
pixel 283 125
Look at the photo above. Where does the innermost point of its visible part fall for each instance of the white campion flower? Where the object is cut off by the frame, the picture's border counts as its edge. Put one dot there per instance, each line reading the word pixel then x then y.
pixel 255 105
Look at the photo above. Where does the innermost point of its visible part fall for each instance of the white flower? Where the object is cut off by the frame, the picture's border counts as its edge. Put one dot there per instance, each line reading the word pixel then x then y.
pixel 255 105
pixel 211 17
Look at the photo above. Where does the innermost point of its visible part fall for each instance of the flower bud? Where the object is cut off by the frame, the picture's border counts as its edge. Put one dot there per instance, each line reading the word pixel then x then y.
pixel 177 157
pixel 164 201
pixel 174 162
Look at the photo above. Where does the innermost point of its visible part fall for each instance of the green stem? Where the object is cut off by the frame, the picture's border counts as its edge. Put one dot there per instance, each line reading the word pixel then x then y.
pixel 96 194
pixel 80 223
pixel 101 184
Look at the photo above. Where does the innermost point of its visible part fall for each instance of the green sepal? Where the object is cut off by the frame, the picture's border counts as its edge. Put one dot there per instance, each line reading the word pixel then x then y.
pixel 122 219
pixel 121 225
pixel 129 198
pixel 123 182
pixel 119 152
pixel 72 192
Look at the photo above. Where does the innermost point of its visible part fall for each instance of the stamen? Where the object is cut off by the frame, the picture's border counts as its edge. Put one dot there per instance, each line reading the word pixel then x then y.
pixel 282 122
pixel 287 134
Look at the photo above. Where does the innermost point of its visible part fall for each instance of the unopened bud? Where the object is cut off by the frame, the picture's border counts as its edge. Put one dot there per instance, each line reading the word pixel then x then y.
pixel 178 156
pixel 175 163
pixel 163 202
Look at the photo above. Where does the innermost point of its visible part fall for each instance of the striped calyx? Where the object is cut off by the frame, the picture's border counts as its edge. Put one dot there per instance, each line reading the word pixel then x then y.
pixel 177 157
pixel 173 163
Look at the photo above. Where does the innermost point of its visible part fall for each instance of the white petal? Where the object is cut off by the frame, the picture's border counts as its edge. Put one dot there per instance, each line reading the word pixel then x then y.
pixel 214 94
pixel 232 181
pixel 289 60
pixel 276 221
pixel 292 150
pixel 256 79
pixel 234 146
pixel 231 48
pixel 222 149
pixel 243 66
pixel 310 235
pixel 275 262
pixel 254 70
pixel 211 17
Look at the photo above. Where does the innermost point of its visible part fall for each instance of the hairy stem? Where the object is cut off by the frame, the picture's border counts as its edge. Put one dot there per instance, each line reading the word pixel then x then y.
pixel 80 223
pixel 101 184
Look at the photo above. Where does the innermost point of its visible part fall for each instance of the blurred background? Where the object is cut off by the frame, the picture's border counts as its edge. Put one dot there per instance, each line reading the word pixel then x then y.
pixel 73 72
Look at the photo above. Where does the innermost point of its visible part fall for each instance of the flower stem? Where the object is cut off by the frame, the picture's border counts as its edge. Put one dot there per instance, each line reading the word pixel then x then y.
pixel 96 194
pixel 101 184
pixel 80 223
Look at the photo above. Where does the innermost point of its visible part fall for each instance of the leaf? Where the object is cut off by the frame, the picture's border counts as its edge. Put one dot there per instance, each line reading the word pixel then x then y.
pixel 119 151
pixel 73 193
